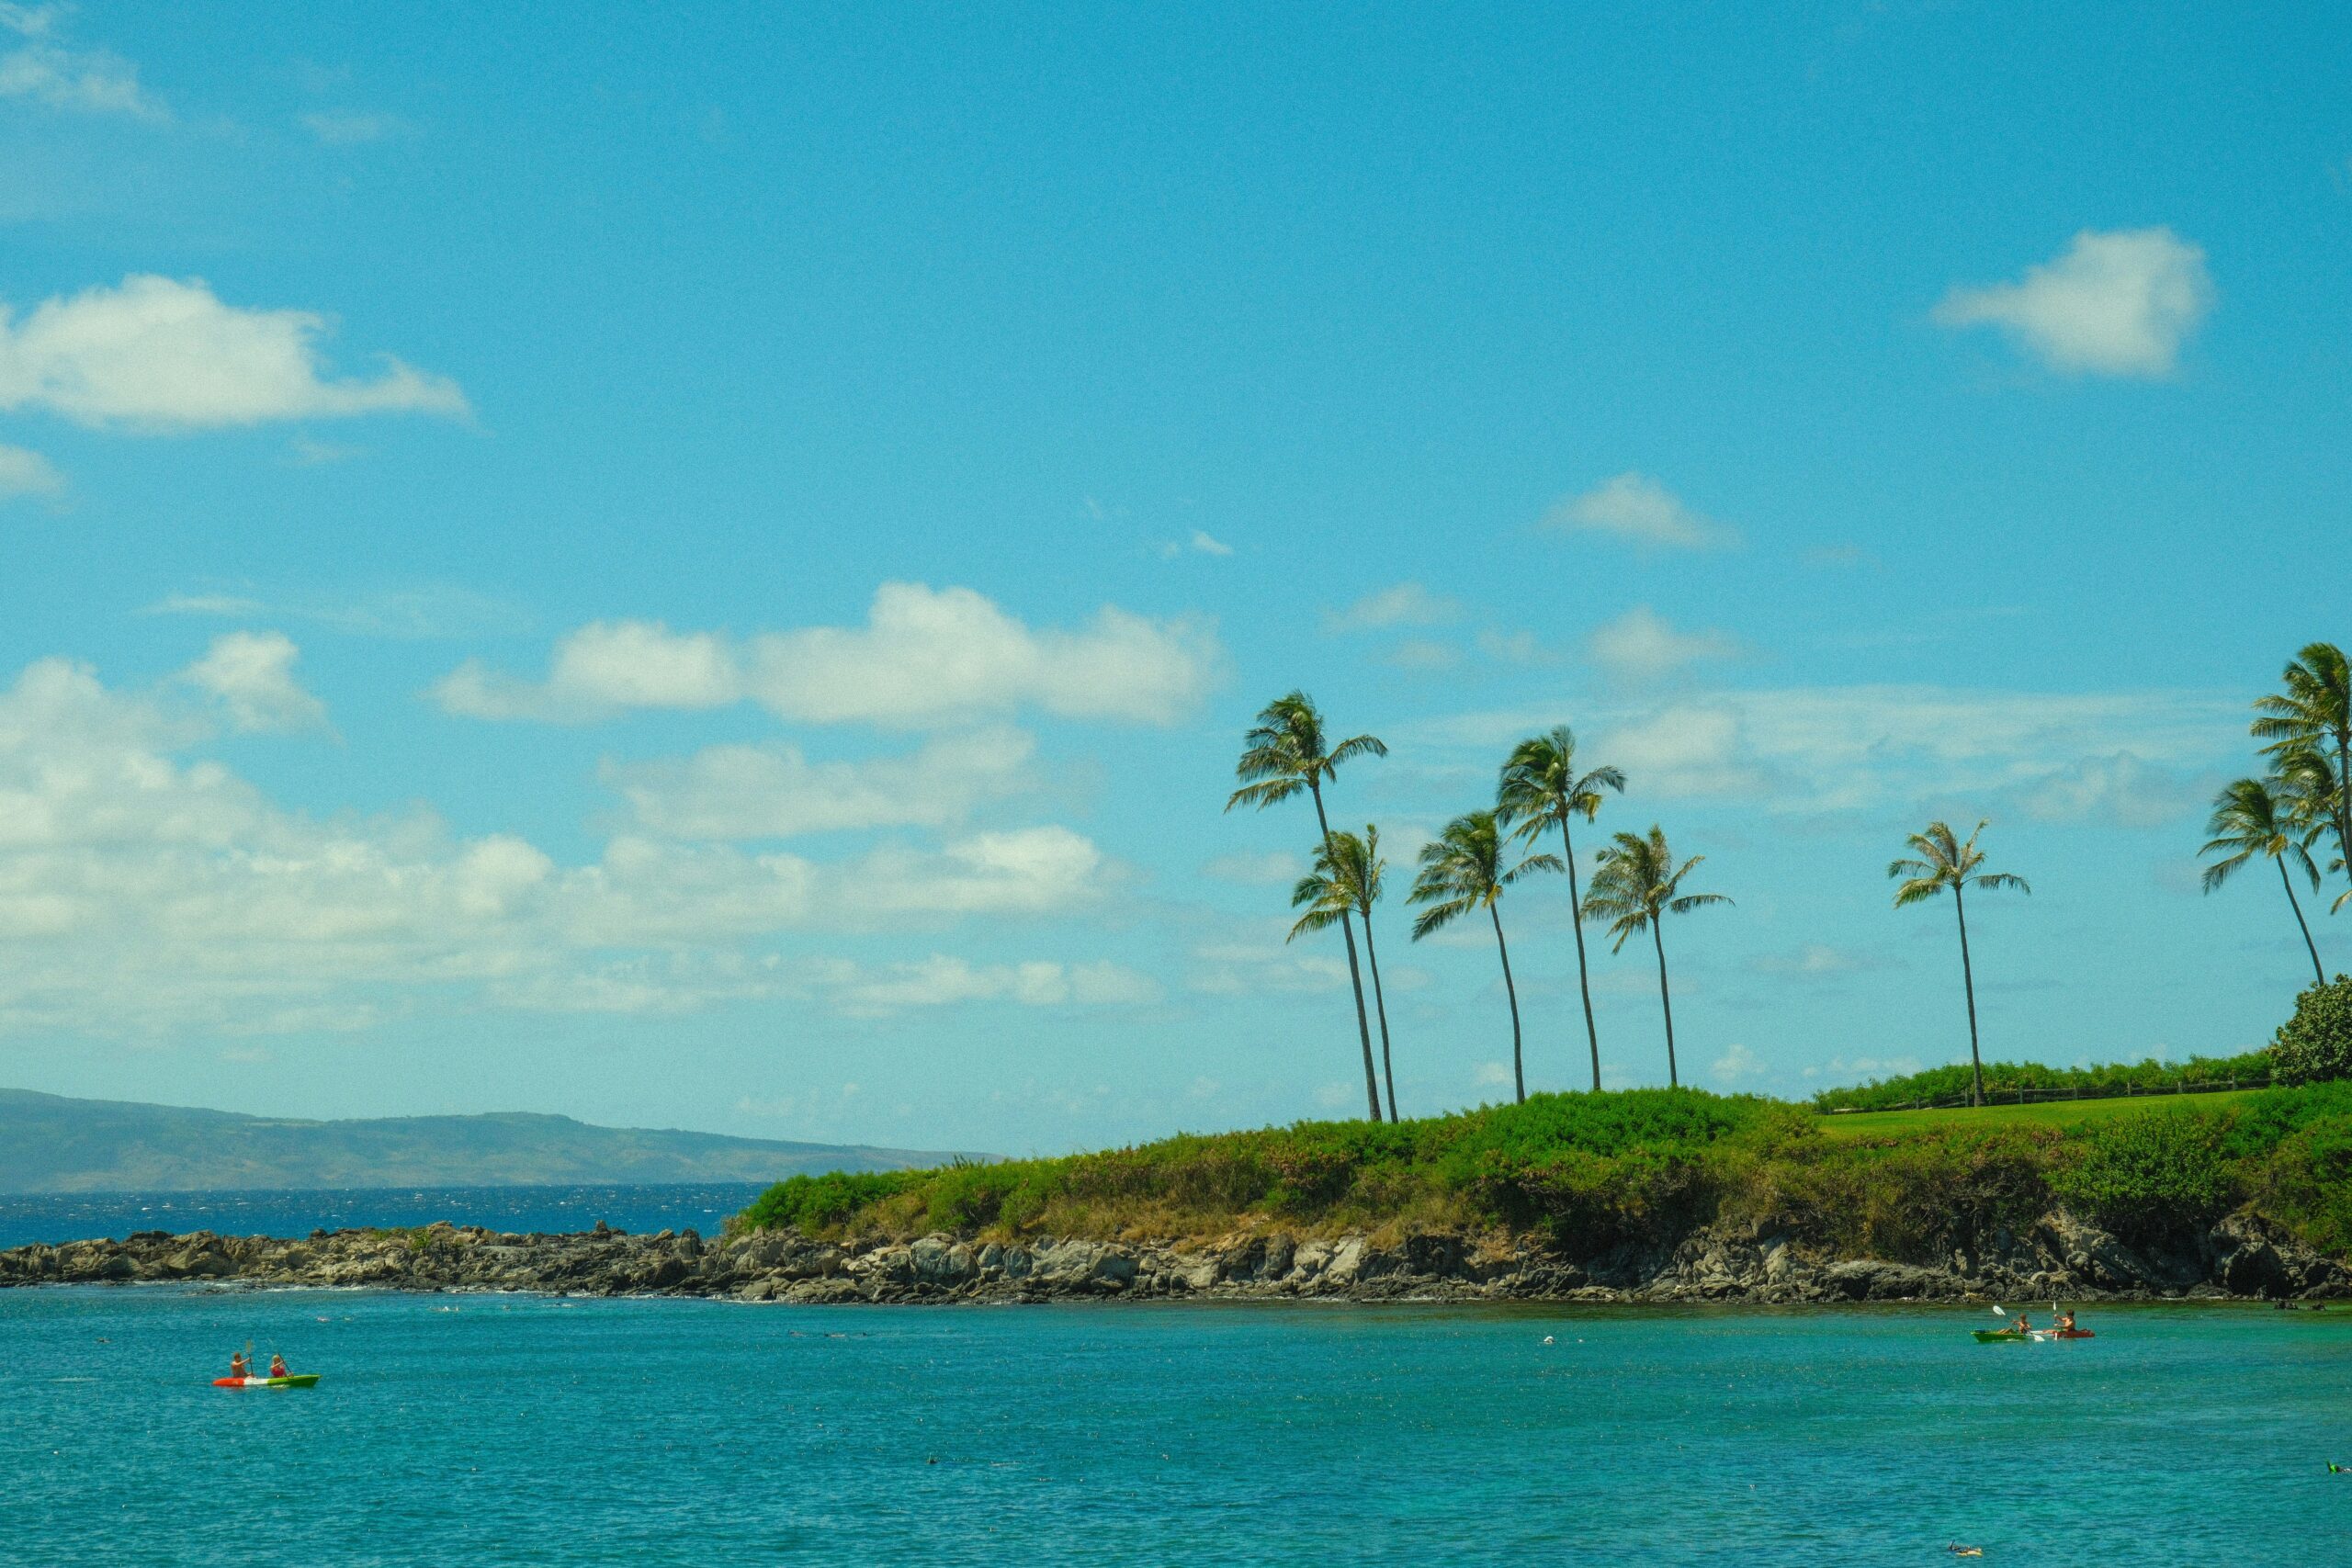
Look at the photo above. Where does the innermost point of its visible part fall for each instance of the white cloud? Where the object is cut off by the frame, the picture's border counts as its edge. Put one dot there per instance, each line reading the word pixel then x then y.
pixel 147 890
pixel 1400 604
pixel 1635 507
pixel 773 791
pixel 1493 1075
pixel 1640 645
pixel 1737 1065
pixel 1201 544
pixel 160 354
pixel 46 71
pixel 349 129
pixel 926 658
pixel 251 673
pixel 2114 304
pixel 27 473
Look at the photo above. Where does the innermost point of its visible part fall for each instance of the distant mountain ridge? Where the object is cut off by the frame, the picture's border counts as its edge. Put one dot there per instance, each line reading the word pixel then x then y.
pixel 52 1144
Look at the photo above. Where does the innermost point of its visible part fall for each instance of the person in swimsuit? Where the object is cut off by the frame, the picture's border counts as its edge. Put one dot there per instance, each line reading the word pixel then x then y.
pixel 2065 1323
pixel 238 1365
pixel 2023 1324
pixel 277 1366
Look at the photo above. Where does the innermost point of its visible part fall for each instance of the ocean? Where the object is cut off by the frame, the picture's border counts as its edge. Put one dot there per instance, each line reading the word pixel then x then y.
pixel 461 1430
pixel 638 1210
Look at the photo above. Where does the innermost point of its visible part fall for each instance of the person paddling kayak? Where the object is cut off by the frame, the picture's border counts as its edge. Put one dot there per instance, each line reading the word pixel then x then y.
pixel 238 1365
pixel 277 1367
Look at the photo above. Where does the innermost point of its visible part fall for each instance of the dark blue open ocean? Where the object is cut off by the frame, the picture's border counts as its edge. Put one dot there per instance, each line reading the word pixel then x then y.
pixel 77 1217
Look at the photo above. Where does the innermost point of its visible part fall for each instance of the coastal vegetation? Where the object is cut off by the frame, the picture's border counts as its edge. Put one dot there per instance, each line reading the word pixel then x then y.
pixel 1646 1168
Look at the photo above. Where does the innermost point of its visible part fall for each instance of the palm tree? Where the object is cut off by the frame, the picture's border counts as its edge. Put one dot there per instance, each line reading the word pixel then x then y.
pixel 2304 724
pixel 1944 861
pixel 1540 786
pixel 1283 753
pixel 1347 877
pixel 1462 870
pixel 1635 885
pixel 2249 820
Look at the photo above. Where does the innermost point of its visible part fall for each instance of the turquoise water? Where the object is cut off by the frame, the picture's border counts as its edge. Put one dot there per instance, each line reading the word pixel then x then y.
pixel 455 1431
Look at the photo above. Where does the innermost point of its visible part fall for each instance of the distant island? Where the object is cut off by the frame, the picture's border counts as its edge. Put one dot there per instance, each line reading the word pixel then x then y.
pixel 52 1144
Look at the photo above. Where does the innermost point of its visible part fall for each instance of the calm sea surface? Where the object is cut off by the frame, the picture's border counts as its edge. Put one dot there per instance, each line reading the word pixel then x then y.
pixel 77 1216
pixel 466 1430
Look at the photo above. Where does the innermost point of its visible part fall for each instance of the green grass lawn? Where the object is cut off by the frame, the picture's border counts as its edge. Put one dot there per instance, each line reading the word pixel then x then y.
pixel 2054 1114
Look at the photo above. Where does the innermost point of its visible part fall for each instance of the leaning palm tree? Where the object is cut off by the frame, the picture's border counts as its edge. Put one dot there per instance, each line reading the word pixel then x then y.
pixel 1541 787
pixel 1464 869
pixel 1347 878
pixel 1283 753
pixel 2249 820
pixel 1943 862
pixel 1636 886
pixel 2309 727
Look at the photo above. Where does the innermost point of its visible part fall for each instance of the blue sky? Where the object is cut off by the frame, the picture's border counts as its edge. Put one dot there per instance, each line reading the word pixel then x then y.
pixel 709 569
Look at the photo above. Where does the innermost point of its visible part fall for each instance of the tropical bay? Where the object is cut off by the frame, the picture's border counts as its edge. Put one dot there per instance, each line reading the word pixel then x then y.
pixel 478 1429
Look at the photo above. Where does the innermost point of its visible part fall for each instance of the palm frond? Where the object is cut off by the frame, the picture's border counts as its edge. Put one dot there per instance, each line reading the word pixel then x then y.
pixel 1690 902
pixel 1918 891
pixel 1441 914
pixel 1997 879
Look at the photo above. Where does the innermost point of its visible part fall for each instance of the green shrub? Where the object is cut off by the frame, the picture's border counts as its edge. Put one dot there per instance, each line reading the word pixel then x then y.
pixel 2148 1175
pixel 814 1205
pixel 2315 1044
pixel 2003 1079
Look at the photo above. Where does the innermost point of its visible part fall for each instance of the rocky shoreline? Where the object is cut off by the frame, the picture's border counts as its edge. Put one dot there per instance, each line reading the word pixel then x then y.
pixel 2062 1256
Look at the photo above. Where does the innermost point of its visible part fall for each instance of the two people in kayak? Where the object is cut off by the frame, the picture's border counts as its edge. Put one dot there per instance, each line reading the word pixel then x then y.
pixel 2065 1324
pixel 239 1367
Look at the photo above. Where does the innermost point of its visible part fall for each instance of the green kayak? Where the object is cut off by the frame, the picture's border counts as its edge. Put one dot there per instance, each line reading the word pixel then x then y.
pixel 1999 1336
pixel 303 1380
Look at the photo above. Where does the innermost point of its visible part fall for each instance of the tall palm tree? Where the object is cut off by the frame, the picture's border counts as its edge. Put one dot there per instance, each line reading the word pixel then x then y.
pixel 1635 885
pixel 1540 786
pixel 2249 820
pixel 1943 862
pixel 1347 877
pixel 1284 752
pixel 1464 869
pixel 2309 725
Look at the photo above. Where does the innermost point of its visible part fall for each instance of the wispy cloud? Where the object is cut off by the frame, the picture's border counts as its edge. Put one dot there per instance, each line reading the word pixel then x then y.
pixel 1638 509
pixel 1399 604
pixel 24 472
pixel 45 70
pixel 2115 304
pixel 1640 645
pixel 1846 748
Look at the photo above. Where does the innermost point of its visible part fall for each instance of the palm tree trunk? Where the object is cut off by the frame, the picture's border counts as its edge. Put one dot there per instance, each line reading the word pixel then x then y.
pixel 1355 976
pixel 1518 1070
pixel 1380 1005
pixel 1575 924
pixel 1666 1000
pixel 2295 904
pixel 1968 984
